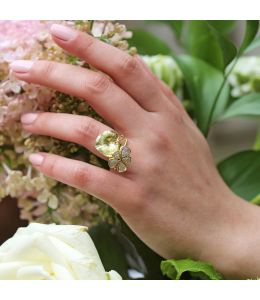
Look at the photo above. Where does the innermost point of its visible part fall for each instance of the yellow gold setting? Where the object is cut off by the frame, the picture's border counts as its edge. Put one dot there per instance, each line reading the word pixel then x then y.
pixel 114 146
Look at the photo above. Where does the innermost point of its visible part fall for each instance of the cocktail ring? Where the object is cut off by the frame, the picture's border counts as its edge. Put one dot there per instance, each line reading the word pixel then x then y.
pixel 114 146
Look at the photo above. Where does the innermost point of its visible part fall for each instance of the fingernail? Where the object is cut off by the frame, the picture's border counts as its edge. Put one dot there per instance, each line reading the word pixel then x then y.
pixel 36 159
pixel 63 32
pixel 29 118
pixel 21 65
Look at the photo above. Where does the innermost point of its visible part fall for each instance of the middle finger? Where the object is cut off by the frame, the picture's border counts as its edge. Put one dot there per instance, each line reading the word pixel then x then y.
pixel 111 102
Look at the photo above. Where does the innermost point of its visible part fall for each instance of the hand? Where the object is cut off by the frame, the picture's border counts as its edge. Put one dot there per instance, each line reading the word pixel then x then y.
pixel 171 195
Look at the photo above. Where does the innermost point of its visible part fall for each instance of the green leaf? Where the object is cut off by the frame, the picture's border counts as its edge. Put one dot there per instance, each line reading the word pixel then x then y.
pixel 204 41
pixel 223 26
pixel 257 140
pixel 246 106
pixel 174 269
pixel 256 200
pixel 151 259
pixel 203 82
pixel 254 45
pixel 176 26
pixel 148 44
pixel 111 252
pixel 250 33
pixel 241 172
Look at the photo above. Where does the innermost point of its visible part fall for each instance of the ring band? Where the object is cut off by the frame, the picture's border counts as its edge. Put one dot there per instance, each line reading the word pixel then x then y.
pixel 114 146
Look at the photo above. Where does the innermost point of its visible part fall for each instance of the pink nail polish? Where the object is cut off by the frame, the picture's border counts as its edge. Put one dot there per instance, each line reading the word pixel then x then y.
pixel 36 159
pixel 29 118
pixel 22 66
pixel 63 32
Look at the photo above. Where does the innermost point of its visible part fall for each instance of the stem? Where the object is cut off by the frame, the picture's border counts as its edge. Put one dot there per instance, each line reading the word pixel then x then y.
pixel 218 94
pixel 6 168
pixel 257 141
pixel 29 172
pixel 91 25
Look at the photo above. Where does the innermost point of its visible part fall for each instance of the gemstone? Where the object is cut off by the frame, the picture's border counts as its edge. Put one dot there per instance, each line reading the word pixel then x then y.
pixel 126 160
pixel 116 155
pixel 112 163
pixel 106 143
pixel 121 167
pixel 125 151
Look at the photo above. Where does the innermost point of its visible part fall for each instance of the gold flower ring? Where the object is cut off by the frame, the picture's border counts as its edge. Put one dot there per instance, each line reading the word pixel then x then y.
pixel 114 146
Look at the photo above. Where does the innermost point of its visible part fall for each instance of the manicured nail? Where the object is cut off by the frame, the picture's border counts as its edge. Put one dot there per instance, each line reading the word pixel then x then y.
pixel 22 66
pixel 29 118
pixel 36 159
pixel 63 32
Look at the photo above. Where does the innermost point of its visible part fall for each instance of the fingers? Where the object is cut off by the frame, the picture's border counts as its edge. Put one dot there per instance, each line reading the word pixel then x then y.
pixel 163 86
pixel 125 70
pixel 103 184
pixel 81 130
pixel 102 94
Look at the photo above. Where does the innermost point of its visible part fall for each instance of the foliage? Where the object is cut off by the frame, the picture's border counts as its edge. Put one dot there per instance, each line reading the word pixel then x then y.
pixel 218 83
pixel 246 106
pixel 241 172
pixel 208 58
pixel 175 269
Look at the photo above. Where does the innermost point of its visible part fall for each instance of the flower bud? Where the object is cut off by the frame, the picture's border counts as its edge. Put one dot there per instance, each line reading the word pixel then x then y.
pixel 245 77
pixel 166 69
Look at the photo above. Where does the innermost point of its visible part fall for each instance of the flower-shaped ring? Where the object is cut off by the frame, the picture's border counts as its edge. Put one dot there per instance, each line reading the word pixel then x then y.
pixel 114 146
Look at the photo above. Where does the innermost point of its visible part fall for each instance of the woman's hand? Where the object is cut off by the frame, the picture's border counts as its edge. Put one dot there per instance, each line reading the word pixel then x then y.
pixel 171 195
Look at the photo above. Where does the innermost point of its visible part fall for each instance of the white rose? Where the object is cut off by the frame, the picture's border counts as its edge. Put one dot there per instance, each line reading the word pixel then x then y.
pixel 52 252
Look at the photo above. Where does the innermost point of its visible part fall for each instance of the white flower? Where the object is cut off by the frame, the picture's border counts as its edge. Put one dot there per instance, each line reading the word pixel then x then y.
pixel 245 77
pixel 51 252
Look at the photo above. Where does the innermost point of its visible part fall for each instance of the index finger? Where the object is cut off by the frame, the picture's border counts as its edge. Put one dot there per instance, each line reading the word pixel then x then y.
pixel 124 69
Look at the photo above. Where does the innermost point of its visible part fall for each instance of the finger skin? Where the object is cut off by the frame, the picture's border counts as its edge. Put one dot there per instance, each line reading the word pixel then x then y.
pixel 111 102
pixel 103 184
pixel 125 70
pixel 81 130
pixel 164 87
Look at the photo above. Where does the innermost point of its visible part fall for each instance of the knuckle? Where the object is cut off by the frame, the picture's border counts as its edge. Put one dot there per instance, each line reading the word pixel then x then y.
pixel 128 64
pixel 139 203
pixel 84 44
pixel 46 68
pixel 161 139
pixel 154 166
pixel 168 91
pixel 177 115
pixel 52 167
pixel 87 129
pixel 81 176
pixel 99 84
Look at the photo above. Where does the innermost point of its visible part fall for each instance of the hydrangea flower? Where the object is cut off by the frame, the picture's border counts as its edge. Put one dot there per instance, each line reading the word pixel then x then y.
pixel 42 199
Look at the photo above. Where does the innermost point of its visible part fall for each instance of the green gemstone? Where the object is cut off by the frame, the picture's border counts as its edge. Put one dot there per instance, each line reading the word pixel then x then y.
pixel 112 163
pixel 121 167
pixel 106 143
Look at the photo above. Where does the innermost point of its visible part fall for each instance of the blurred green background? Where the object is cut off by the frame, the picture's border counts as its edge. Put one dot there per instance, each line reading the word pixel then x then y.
pixel 229 136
